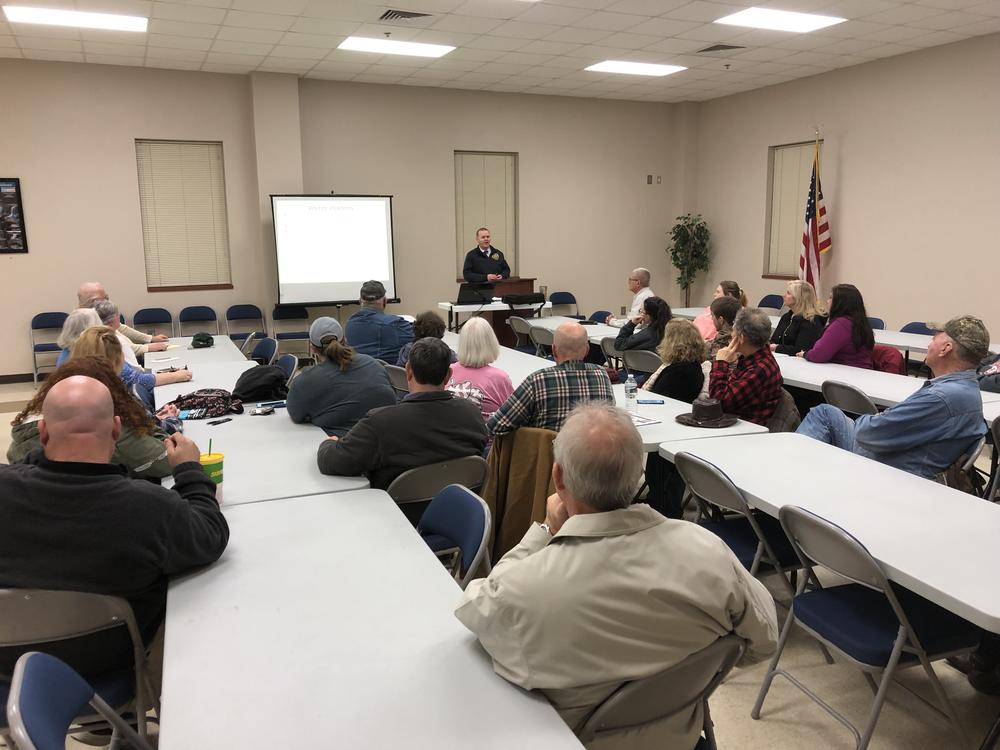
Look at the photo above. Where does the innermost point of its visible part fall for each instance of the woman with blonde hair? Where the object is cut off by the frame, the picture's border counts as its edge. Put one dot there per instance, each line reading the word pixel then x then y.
pixel 139 448
pixel 704 322
pixel 799 328
pixel 102 341
pixel 682 352
pixel 474 377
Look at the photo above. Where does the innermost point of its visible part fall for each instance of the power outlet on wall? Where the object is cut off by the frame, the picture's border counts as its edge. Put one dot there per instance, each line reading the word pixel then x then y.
pixel 623 310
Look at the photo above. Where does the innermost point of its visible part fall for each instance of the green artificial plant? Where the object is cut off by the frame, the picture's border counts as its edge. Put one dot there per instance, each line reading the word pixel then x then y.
pixel 689 250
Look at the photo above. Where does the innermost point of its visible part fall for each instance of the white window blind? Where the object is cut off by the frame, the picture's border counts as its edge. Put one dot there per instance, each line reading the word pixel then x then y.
pixel 790 169
pixel 182 199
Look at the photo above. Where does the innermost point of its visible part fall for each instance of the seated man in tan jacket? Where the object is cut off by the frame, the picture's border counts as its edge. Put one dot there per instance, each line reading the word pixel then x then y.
pixel 605 592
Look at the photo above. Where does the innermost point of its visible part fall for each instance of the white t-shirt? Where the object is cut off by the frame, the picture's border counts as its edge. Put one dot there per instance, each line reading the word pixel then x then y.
pixel 130 357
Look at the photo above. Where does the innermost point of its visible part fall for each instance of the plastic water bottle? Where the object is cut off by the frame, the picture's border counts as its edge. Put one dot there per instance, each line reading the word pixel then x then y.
pixel 631 395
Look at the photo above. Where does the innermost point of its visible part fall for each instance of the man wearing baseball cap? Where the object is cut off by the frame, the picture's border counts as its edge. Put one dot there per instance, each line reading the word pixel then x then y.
pixel 371 331
pixel 927 432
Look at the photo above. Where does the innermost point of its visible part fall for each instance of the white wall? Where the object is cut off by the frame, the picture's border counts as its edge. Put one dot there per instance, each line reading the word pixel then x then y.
pixel 911 159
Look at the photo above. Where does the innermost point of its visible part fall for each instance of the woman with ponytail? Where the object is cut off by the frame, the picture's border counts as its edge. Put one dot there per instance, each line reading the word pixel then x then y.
pixel 705 322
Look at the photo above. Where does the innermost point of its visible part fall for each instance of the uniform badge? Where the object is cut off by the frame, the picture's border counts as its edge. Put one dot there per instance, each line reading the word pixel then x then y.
pixel 495 256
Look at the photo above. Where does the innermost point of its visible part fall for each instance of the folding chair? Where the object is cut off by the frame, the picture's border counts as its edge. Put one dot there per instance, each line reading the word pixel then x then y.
pixel 296 316
pixel 964 470
pixel 288 364
pixel 542 339
pixel 678 688
pixel 456 526
pixel 611 355
pixel 415 488
pixel 36 617
pixel 148 318
pixel 755 538
pixel 640 360
pixel 847 398
pixel 265 351
pixel 566 298
pixel 772 301
pixel 916 326
pixel 46 695
pixel 877 324
pixel 994 482
pixel 197 314
pixel 51 322
pixel 397 378
pixel 877 626
pixel 599 316
pixel 522 332
pixel 248 343
pixel 242 314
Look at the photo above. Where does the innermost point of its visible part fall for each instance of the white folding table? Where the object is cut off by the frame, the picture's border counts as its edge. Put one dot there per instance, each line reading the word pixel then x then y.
pixel 205 375
pixel 518 365
pixel 595 331
pixel 454 310
pixel 934 540
pixel 182 353
pixel 329 623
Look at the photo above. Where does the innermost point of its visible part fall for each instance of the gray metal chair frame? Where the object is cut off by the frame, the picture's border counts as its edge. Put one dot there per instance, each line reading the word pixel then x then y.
pixel 993 486
pixel 541 338
pixel 667 693
pixel 980 487
pixel 248 344
pixel 424 482
pixel 274 354
pixel 818 542
pixel 20 733
pixel 612 355
pixel 641 360
pixel 295 365
pixel 397 378
pixel 184 330
pixel 452 557
pixel 521 329
pixel 848 398
pixel 708 484
pixel 36 616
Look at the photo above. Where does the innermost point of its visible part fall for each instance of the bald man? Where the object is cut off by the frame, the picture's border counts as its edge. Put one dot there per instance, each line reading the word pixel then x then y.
pixel 91 292
pixel 70 520
pixel 547 396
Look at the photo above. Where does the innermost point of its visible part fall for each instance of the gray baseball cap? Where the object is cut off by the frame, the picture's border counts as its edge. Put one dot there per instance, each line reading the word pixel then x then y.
pixel 325 328
pixel 372 290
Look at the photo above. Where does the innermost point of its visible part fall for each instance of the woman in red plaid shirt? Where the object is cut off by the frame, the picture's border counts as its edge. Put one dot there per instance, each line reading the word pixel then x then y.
pixel 745 377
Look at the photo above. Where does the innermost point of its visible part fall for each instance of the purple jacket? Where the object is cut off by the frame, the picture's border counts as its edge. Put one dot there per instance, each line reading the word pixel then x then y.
pixel 837 345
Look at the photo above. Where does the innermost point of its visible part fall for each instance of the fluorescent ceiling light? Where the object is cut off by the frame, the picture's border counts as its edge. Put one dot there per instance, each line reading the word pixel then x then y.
pixel 392 47
pixel 76 18
pixel 779 20
pixel 634 68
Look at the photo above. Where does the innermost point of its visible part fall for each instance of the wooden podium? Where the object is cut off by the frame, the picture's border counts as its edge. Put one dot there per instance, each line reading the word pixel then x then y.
pixel 498 319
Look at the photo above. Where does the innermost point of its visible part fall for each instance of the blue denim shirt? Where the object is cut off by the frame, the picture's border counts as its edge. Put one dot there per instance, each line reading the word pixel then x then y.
pixel 372 332
pixel 929 431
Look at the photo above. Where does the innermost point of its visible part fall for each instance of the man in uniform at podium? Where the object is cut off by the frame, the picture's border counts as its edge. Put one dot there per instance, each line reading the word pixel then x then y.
pixel 485 262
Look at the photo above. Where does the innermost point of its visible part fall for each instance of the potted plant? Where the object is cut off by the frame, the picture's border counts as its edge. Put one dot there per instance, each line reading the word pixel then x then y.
pixel 689 250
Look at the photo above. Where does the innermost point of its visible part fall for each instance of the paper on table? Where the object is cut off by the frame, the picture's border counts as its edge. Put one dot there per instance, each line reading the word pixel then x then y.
pixel 642 421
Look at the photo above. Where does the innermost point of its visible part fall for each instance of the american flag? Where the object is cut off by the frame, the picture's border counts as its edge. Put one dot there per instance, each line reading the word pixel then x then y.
pixel 816 233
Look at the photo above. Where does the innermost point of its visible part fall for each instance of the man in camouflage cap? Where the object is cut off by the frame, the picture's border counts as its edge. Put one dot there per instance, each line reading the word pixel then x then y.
pixel 927 432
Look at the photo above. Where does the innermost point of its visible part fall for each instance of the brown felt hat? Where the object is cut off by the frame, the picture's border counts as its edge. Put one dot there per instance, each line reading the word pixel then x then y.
pixel 707 412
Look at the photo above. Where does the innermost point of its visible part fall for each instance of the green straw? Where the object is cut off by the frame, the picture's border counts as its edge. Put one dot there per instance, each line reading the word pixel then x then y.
pixel 210 445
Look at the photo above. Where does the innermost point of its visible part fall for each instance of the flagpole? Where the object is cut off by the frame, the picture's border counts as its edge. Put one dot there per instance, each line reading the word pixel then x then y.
pixel 815 187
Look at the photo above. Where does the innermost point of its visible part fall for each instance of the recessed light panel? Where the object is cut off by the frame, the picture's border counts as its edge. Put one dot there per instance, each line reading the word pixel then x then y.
pixel 779 20
pixel 76 18
pixel 634 68
pixel 392 47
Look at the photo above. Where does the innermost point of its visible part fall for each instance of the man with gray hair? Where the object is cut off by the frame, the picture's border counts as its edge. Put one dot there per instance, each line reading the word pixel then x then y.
pixel 546 397
pixel 604 592
pixel 89 293
pixel 927 432
pixel 638 284
pixel 745 377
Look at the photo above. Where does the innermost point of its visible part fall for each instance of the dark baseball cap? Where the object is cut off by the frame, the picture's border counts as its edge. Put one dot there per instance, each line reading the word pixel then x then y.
pixel 372 290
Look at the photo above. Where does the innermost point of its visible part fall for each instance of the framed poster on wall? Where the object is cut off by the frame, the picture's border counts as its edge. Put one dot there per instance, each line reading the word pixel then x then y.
pixel 13 238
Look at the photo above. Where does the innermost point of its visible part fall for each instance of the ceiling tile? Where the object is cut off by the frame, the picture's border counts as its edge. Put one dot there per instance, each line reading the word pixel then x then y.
pixel 986 27
pixel 507 68
pixel 123 7
pixel 179 28
pixel 461 65
pixel 7 40
pixel 894 34
pixel 246 20
pixel 856 8
pixel 347 10
pixel 519 30
pixel 471 53
pixel 466 24
pixel 703 11
pixel 340 67
pixel 114 37
pixel 134 62
pixel 54 32
pixel 948 21
pixel 851 29
pixel 227 58
pixel 51 54
pixel 848 46
pixel 227 68
pixel 499 43
pixel 501 9
pixel 284 65
pixel 291 7
pixel 650 8
pixel 628 41
pixel 188 13
pixel 301 53
pixel 609 21
pixel 934 39
pixel 522 58
pixel 241 48
pixel 592 4
pixel 104 48
pixel 40 43
pixel 374 31
pixel 663 27
pixel 178 42
pixel 548 47
pixel 325 26
pixel 676 46
pixel 902 14
pixel 434 7
pixel 291 39
pixel 712 32
pixel 986 9
pixel 169 53
pixel 452 38
pixel 888 50
pixel 553 14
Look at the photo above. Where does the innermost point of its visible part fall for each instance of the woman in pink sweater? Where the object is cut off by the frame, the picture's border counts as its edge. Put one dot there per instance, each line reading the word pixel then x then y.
pixel 848 338
pixel 704 322
pixel 474 377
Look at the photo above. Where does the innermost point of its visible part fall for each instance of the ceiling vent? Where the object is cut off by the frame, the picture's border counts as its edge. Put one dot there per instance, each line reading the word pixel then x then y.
pixel 719 48
pixel 402 15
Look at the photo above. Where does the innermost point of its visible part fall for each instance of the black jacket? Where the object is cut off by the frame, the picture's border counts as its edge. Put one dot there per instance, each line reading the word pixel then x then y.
pixel 795 334
pixel 681 380
pixel 422 429
pixel 477 265
pixel 88 527
pixel 628 339
pixel 989 374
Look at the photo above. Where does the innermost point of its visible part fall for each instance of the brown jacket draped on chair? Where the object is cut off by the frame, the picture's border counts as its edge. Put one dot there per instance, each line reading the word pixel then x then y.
pixel 518 481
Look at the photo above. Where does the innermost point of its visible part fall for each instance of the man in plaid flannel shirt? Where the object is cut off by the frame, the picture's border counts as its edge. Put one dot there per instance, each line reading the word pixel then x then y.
pixel 546 397
pixel 745 377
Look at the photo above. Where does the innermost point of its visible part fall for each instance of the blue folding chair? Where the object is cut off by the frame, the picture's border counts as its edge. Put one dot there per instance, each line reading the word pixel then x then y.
pixel 52 323
pixel 456 526
pixel 265 351
pixel 600 316
pixel 877 324
pixel 198 314
pixel 46 696
pixel 566 298
pixel 877 626
pixel 151 317
pixel 241 314
pixel 287 363
pixel 915 368
pixel 296 316
pixel 774 301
